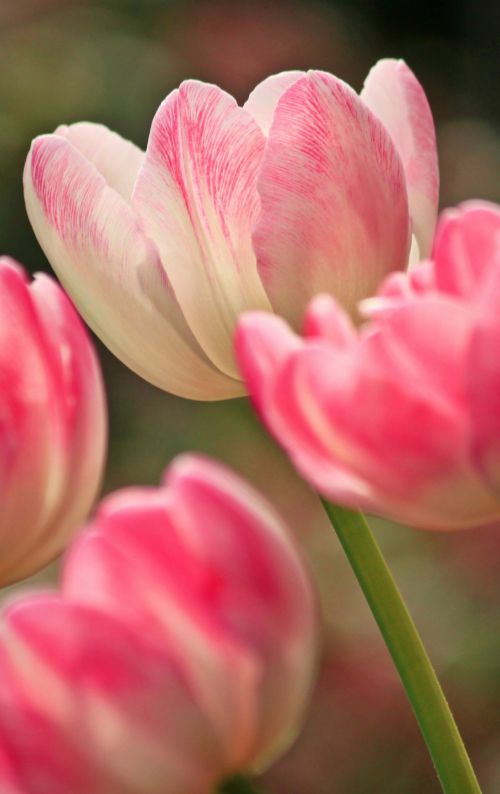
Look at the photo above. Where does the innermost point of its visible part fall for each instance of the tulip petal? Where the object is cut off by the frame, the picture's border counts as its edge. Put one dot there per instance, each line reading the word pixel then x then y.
pixel 117 159
pixel 395 96
pixel 484 384
pixel 118 713
pixel 262 101
pixel 30 408
pixel 267 600
pixel 466 248
pixel 94 241
pixel 334 214
pixel 196 194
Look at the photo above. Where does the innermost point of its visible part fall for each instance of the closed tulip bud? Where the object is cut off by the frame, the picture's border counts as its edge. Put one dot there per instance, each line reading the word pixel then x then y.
pixel 401 418
pixel 203 565
pixel 309 187
pixel 52 422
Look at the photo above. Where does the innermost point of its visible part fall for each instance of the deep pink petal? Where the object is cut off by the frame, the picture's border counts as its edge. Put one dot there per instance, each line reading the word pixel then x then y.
pixel 395 96
pixel 96 707
pixel 334 214
pixel 466 248
pixel 198 201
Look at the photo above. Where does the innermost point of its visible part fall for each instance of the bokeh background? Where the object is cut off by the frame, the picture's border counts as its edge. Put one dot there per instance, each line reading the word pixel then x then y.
pixel 113 62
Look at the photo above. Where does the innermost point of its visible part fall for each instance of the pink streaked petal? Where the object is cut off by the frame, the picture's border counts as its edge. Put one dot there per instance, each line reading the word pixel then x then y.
pixel 483 384
pixel 262 101
pixel 197 197
pixel 93 240
pixel 466 248
pixel 334 214
pixel 263 342
pixel 117 159
pixel 266 600
pixel 394 94
pixel 326 320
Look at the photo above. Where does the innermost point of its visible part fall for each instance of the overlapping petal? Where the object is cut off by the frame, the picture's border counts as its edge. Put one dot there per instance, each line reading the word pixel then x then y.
pixel 320 227
pixel 52 422
pixel 95 243
pixel 395 96
pixel 86 705
pixel 380 421
pixel 197 197
pixel 205 565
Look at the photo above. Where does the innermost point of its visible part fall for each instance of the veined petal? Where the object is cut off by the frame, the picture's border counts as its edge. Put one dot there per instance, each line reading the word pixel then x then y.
pixel 334 209
pixel 262 101
pixel 117 159
pixel 94 242
pixel 395 96
pixel 197 197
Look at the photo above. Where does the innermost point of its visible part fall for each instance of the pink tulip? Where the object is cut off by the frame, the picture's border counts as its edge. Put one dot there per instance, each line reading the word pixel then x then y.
pixel 204 567
pixel 52 422
pixel 89 707
pixel 403 417
pixel 309 187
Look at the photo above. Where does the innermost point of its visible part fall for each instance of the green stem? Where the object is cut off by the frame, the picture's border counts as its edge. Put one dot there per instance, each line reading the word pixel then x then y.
pixel 405 646
pixel 239 785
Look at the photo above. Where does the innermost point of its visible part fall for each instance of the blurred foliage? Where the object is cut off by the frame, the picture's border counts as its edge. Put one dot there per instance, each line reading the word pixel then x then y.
pixel 113 62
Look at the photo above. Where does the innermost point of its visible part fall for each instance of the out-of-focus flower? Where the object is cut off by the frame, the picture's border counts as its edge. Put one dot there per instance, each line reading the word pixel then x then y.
pixel 89 707
pixel 52 422
pixel 402 418
pixel 204 565
pixel 309 187
pixel 181 650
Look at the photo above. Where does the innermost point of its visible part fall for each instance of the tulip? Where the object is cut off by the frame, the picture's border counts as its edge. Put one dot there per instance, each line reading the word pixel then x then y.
pixel 89 707
pixel 203 566
pixel 403 417
pixel 52 422
pixel 309 187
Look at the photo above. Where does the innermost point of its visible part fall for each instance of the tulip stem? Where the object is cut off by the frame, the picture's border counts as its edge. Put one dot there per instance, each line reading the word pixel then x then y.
pixel 240 785
pixel 419 679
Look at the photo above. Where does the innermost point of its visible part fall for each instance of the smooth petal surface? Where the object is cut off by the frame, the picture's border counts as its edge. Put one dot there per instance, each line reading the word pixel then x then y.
pixel 52 422
pixel 204 565
pixel 334 209
pixel 395 96
pixel 94 241
pixel 484 383
pixel 88 706
pixel 262 101
pixel 197 197
pixel 381 423
pixel 466 249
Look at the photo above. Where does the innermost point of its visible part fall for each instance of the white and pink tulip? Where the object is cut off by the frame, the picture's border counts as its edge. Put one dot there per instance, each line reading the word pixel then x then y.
pixel 308 188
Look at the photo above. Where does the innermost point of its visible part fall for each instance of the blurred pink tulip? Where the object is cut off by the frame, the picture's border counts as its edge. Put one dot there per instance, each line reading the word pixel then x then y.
pixel 181 650
pixel 203 565
pixel 52 422
pixel 309 187
pixel 403 417
pixel 89 707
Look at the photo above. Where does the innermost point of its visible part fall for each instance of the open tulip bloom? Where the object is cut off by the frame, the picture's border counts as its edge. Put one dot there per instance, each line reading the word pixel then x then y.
pixel 308 188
